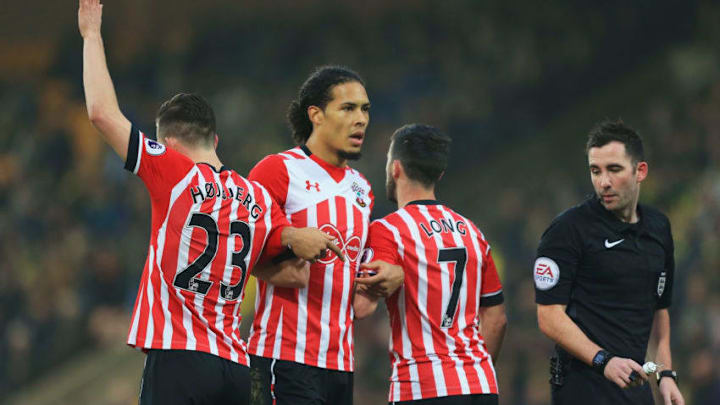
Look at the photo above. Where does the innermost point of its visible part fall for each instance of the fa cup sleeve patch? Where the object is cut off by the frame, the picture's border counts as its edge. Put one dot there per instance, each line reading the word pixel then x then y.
pixel 546 273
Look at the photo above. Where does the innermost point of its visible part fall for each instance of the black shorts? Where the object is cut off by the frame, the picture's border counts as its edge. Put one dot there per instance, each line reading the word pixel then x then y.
pixel 583 385
pixel 474 399
pixel 190 377
pixel 280 382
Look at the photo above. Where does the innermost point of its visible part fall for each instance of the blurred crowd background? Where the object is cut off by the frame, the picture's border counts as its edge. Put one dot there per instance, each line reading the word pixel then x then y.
pixel 517 85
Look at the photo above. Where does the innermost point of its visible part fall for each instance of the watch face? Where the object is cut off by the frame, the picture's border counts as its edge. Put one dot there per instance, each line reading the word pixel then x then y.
pixel 599 358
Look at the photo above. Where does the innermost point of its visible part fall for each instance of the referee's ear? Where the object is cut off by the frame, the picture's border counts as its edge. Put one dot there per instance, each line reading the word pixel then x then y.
pixel 641 171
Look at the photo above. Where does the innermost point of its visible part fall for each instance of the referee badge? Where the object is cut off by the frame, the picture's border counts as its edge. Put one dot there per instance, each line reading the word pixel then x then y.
pixel 661 284
pixel 546 273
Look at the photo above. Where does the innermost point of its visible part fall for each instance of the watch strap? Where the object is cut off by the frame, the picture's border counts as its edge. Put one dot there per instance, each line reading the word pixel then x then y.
pixel 666 373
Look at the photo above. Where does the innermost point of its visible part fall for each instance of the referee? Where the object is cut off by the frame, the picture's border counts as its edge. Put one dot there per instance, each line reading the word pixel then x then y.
pixel 603 282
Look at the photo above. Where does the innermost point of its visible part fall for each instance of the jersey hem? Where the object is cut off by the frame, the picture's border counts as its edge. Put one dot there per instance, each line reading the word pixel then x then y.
pixel 311 364
pixel 204 349
pixel 430 393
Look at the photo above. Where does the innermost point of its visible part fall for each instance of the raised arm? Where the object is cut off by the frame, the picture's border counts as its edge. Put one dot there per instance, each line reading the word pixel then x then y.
pixel 102 105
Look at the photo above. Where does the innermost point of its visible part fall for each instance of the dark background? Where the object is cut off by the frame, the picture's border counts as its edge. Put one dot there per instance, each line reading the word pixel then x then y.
pixel 517 85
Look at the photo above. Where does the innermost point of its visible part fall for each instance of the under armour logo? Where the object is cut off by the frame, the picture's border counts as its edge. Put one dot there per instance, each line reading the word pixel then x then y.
pixel 351 248
pixel 308 185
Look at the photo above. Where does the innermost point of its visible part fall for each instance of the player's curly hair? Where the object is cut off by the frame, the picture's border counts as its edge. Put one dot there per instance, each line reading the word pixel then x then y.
pixel 188 117
pixel 423 151
pixel 316 91
pixel 607 131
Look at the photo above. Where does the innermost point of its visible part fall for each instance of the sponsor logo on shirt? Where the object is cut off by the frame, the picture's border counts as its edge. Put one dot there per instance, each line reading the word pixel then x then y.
pixel 350 248
pixel 546 273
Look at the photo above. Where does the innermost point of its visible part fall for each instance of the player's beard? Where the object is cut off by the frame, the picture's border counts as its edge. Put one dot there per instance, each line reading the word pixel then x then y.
pixel 390 189
pixel 349 155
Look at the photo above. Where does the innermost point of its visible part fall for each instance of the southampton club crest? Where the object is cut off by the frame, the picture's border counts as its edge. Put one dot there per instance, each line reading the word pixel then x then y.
pixel 661 284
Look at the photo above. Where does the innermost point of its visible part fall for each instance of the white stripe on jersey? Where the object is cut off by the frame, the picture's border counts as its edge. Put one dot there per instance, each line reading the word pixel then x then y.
pixel 476 334
pixel 228 271
pixel 264 320
pixel 422 303
pixel 345 283
pixel 327 298
pixel 302 313
pixel 406 345
pixel 141 145
pixel 278 337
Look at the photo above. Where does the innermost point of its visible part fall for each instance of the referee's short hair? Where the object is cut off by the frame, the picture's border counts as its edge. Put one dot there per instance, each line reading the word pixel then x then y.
pixel 607 131
pixel 423 151
pixel 189 118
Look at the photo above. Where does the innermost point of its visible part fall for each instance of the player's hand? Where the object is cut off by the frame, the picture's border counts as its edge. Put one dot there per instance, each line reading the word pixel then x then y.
pixel 388 278
pixel 89 17
pixel 618 370
pixel 310 243
pixel 670 393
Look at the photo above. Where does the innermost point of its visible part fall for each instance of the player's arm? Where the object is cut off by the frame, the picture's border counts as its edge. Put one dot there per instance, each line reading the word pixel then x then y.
pixel 661 334
pixel 493 323
pixel 102 105
pixel 364 304
pixel 291 273
pixel 376 280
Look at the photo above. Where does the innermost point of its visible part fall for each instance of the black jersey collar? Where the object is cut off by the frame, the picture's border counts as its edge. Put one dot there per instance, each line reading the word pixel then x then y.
pixel 425 202
pixel 222 168
pixel 612 220
pixel 306 150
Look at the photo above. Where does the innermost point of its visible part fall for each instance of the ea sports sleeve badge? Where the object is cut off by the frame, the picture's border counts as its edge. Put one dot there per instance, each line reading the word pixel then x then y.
pixel 546 273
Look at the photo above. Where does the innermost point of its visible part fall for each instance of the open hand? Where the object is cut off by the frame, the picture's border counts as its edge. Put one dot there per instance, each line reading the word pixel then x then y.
pixel 89 17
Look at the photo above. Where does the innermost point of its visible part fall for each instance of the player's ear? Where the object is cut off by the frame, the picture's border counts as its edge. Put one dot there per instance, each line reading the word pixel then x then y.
pixel 641 171
pixel 169 141
pixel 315 115
pixel 397 169
pixel 217 139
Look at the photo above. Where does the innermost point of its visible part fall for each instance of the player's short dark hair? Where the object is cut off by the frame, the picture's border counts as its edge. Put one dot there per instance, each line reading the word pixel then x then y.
pixel 608 131
pixel 423 151
pixel 317 91
pixel 188 117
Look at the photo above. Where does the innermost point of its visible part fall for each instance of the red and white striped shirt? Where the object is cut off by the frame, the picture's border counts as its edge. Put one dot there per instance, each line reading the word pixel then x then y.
pixel 208 230
pixel 313 325
pixel 436 348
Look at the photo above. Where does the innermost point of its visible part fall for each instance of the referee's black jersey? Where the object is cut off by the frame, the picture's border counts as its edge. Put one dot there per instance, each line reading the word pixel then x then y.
pixel 611 275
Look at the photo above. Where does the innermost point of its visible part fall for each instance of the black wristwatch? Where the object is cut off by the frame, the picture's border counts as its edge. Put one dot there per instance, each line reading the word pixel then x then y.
pixel 666 373
pixel 601 359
